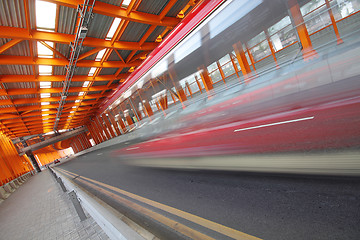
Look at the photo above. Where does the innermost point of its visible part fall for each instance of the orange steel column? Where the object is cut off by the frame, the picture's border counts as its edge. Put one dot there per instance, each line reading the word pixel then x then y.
pixel 221 71
pixel 129 120
pixel 103 127
pixel 244 65
pixel 308 51
pixel 85 140
pixel 163 103
pixel 198 83
pixel 204 74
pixel 108 124
pixel 100 128
pixel 80 145
pixel 97 130
pixel 74 147
pixel 113 122
pixel 122 124
pixel 234 64
pixel 271 48
pixel 148 108
pixel 339 40
pixel 93 135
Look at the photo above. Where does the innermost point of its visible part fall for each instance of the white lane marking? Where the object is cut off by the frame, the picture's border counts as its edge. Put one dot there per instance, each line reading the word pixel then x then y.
pixel 277 123
pixel 132 148
pixel 99 154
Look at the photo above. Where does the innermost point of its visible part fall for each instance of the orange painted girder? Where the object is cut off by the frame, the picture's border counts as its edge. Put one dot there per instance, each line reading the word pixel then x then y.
pixel 22 33
pixel 52 99
pixel 22 60
pixel 60 78
pixel 120 12
pixel 22 91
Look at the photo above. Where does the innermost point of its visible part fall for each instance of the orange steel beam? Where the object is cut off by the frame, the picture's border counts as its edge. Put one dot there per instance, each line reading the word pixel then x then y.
pixel 97 130
pixel 39 123
pixel 108 124
pixel 100 129
pixel 52 99
pixel 240 55
pixel 167 9
pixel 53 50
pixel 333 22
pixel 89 53
pixel 120 12
pixel 103 126
pixel 9 44
pixel 22 60
pixel 113 122
pixel 60 78
pixel 130 7
pixel 22 33
pixel 308 51
pixel 22 91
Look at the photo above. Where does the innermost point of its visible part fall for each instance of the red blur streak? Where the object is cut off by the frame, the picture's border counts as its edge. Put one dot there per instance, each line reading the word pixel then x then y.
pixel 335 125
pixel 189 23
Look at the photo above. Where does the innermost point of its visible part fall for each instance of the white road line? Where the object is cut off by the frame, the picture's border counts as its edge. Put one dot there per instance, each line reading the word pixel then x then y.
pixel 132 148
pixel 277 123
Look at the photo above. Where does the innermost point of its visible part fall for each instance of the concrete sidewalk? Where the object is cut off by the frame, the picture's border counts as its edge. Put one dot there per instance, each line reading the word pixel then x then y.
pixel 39 209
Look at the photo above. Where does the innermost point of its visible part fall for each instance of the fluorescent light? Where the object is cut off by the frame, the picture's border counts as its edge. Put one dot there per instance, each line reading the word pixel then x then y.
pixel 72 111
pixel 113 28
pixel 45 15
pixel 73 107
pixel 92 71
pixel 45 70
pixel 125 3
pixel 100 55
pixel 45 103
pixel 45 109
pixel 44 115
pixel 45 84
pixel 44 51
pixel 78 100
pixel 45 95
pixel 81 93
pixel 86 84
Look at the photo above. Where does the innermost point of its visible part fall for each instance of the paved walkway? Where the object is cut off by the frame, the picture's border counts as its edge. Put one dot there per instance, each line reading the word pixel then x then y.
pixel 39 209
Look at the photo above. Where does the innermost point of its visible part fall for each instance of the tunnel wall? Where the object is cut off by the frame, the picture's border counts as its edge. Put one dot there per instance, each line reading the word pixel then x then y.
pixel 11 164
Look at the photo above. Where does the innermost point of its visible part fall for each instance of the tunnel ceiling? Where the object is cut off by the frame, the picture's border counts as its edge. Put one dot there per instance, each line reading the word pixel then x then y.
pixel 35 38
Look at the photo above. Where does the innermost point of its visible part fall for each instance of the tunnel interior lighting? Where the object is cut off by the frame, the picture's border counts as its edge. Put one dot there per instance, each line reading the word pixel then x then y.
pixel 86 84
pixel 78 100
pixel 45 103
pixel 74 107
pixel 45 15
pixel 100 55
pixel 92 71
pixel 45 109
pixel 44 115
pixel 125 3
pixel 45 70
pixel 113 28
pixel 81 93
pixel 44 95
pixel 44 51
pixel 45 84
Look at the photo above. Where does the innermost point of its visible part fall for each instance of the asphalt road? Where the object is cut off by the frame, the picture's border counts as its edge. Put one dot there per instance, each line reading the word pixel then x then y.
pixel 265 206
